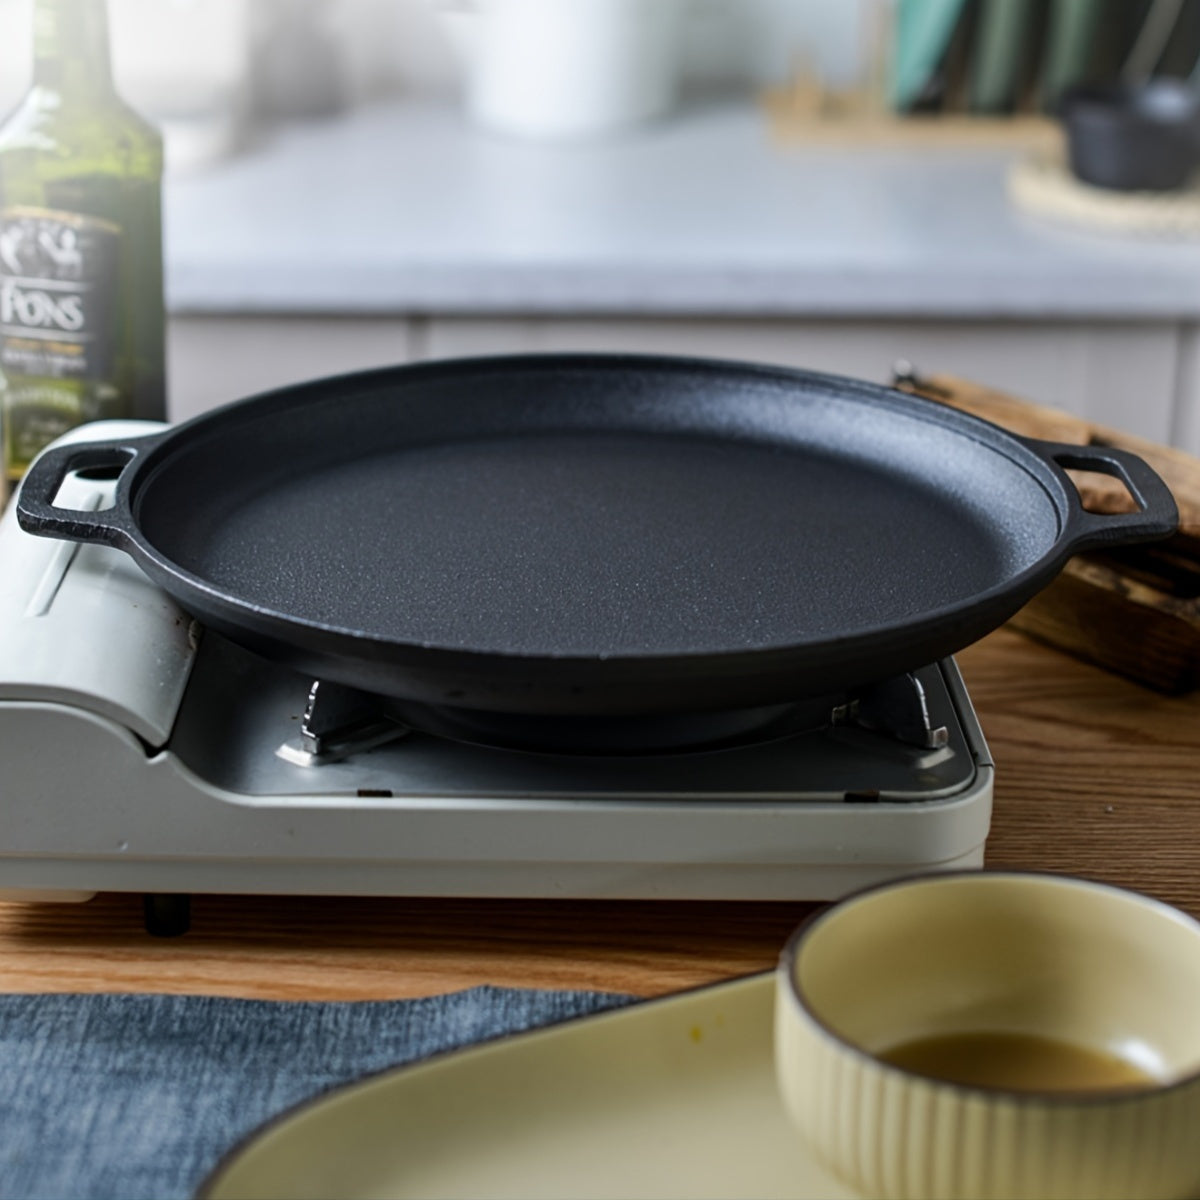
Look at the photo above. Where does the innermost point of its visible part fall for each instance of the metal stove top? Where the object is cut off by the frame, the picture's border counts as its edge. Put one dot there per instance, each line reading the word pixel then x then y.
pixel 247 726
pixel 140 753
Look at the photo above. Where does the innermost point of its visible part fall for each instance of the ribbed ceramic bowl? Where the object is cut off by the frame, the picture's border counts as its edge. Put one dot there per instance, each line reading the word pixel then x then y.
pixel 994 953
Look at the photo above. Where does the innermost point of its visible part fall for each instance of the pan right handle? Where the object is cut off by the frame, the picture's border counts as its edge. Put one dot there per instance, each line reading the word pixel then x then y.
pixel 1157 515
pixel 38 514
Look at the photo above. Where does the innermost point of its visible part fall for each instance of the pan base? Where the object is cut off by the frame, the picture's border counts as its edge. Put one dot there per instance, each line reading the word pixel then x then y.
pixel 675 733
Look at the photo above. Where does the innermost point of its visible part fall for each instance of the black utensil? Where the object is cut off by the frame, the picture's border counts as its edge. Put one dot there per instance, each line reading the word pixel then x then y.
pixel 1134 137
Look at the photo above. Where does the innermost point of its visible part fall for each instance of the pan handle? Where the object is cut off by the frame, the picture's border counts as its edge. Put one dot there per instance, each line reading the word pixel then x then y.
pixel 37 513
pixel 1157 515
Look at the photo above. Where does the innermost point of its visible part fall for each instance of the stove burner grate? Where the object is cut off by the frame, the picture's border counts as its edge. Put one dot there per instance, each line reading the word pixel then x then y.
pixel 340 721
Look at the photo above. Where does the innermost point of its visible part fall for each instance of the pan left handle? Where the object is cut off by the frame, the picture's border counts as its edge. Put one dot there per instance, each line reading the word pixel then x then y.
pixel 1157 515
pixel 37 512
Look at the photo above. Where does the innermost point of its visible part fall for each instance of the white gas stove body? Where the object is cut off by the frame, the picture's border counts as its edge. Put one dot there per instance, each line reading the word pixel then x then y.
pixel 125 765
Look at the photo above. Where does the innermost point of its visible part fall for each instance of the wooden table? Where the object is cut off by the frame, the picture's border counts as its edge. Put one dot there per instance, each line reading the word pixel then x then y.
pixel 1094 776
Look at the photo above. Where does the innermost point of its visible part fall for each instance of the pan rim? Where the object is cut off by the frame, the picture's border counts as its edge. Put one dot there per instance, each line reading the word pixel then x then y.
pixel 213 424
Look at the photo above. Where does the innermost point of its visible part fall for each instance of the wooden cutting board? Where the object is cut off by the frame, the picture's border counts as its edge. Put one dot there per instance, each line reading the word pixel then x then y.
pixel 1133 610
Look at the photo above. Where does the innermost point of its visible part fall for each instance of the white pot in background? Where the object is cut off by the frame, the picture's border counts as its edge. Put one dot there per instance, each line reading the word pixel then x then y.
pixel 567 68
pixel 185 66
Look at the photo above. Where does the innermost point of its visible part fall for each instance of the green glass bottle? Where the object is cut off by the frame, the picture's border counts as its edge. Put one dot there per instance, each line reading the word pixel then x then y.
pixel 81 289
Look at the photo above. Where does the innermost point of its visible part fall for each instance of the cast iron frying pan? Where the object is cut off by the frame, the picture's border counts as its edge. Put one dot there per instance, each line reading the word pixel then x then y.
pixel 596 534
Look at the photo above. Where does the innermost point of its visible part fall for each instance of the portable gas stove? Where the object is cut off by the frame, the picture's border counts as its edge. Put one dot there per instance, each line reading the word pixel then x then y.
pixel 141 753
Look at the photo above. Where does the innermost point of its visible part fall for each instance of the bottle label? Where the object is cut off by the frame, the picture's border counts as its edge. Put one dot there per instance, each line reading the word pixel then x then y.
pixel 58 294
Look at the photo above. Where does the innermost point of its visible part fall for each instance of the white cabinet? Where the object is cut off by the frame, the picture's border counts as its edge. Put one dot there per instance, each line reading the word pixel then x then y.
pixel 1119 374
pixel 212 360
pixel 1142 377
pixel 1186 433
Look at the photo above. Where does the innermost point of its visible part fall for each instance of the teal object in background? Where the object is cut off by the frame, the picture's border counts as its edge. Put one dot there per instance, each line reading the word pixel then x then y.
pixel 1003 49
pixel 923 30
pixel 1070 38
pixel 1182 56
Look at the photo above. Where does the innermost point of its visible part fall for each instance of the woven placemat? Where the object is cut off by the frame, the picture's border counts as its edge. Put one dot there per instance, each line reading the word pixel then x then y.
pixel 1043 185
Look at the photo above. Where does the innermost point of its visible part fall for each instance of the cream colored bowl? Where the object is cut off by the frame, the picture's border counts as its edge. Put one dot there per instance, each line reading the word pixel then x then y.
pixel 994 953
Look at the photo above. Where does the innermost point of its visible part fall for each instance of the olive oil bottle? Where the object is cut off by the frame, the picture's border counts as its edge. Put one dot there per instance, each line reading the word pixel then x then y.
pixel 81 291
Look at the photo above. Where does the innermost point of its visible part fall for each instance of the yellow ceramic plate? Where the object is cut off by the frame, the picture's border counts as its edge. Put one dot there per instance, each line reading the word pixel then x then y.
pixel 672 1097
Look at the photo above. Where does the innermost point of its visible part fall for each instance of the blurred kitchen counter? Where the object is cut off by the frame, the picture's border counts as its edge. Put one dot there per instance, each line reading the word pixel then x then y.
pixel 406 208
pixel 399 232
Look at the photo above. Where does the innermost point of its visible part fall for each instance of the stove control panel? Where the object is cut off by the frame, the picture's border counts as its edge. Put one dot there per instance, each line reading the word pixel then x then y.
pixel 82 625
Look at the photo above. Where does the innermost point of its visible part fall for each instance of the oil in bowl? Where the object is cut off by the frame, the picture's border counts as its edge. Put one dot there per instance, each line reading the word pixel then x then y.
pixel 1018 1062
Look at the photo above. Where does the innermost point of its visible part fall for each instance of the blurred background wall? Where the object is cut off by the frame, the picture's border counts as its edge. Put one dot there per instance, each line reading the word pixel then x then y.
pixel 770 216
pixel 167 51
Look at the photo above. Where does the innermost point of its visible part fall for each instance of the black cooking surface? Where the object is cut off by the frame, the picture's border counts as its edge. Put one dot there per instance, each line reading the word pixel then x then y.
pixel 595 544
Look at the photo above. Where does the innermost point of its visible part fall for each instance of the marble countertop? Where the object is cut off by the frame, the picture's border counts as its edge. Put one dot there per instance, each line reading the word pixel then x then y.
pixel 403 208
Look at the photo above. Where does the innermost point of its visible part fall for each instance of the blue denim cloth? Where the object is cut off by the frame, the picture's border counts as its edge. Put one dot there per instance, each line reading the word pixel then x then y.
pixel 114 1096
